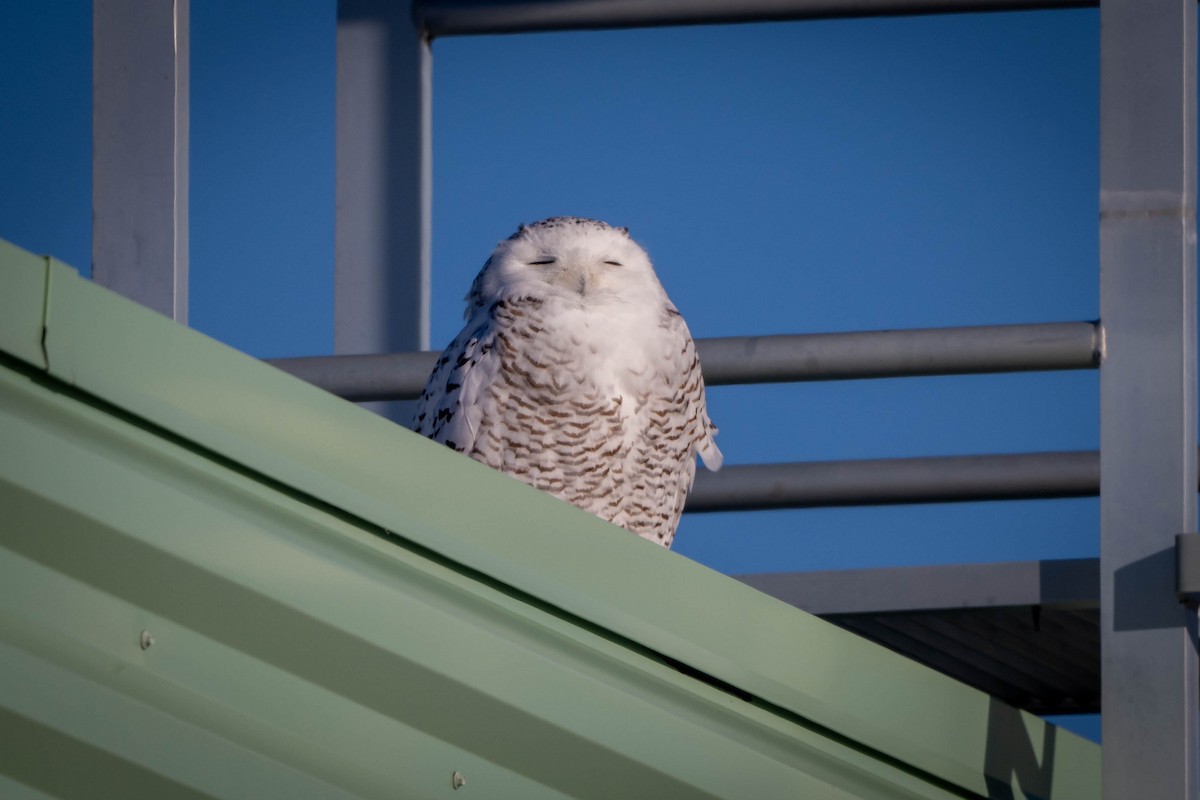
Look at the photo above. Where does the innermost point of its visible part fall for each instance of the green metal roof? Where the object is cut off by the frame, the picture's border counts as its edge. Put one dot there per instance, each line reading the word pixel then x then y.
pixel 340 608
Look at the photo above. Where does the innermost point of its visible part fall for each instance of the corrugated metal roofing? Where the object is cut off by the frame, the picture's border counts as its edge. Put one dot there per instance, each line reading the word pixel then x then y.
pixel 218 581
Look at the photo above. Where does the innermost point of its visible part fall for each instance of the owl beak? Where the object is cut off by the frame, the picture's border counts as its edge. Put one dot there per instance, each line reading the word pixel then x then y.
pixel 585 280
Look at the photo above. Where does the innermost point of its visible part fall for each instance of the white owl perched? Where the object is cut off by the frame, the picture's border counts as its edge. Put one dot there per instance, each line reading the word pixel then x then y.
pixel 576 374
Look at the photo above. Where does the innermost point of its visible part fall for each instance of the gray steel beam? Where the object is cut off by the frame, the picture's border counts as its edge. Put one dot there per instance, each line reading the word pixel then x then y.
pixel 464 17
pixel 140 151
pixel 1060 583
pixel 1187 566
pixel 383 188
pixel 1148 396
pixel 893 481
pixel 775 359
pixel 1025 632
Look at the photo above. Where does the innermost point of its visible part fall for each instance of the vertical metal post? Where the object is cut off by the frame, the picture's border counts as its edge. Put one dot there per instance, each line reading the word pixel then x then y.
pixel 1148 395
pixel 382 225
pixel 140 151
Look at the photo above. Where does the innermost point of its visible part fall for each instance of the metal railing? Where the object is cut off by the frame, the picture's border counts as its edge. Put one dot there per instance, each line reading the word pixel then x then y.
pixel 458 18
pixel 823 357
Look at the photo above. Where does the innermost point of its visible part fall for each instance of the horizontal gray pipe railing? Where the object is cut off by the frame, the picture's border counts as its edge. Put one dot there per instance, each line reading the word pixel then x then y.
pixel 776 359
pixel 466 17
pixel 897 481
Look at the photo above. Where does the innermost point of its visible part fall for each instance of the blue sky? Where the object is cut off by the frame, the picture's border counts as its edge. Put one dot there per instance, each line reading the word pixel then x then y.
pixel 785 178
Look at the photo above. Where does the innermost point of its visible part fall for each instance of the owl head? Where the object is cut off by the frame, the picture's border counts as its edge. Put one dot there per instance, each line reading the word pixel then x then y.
pixel 582 262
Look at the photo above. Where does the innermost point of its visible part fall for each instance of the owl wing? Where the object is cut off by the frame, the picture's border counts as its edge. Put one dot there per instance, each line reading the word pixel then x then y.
pixel 677 429
pixel 449 410
pixel 698 428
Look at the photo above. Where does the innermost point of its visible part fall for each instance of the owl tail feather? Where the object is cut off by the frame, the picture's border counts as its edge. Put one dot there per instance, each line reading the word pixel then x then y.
pixel 710 454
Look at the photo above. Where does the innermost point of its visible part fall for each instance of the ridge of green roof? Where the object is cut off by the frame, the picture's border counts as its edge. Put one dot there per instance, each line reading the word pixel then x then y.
pixel 483 524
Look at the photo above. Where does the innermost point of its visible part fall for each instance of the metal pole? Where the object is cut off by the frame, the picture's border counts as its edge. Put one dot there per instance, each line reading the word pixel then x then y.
pixel 1148 395
pixel 776 359
pixel 364 378
pixel 383 155
pixel 944 479
pixel 893 354
pixel 140 151
pixel 456 18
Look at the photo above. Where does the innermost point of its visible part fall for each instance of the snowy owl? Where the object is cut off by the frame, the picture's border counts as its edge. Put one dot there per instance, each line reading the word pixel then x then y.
pixel 576 374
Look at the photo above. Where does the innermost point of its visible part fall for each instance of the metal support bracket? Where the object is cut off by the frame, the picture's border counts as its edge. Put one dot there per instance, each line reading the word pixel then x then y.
pixel 1187 566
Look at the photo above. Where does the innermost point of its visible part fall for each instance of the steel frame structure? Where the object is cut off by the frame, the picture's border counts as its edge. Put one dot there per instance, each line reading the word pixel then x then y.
pixel 1148 456
pixel 140 74
pixel 1147 395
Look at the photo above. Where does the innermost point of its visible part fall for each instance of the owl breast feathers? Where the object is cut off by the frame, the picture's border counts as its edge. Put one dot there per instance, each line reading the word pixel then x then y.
pixel 577 375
